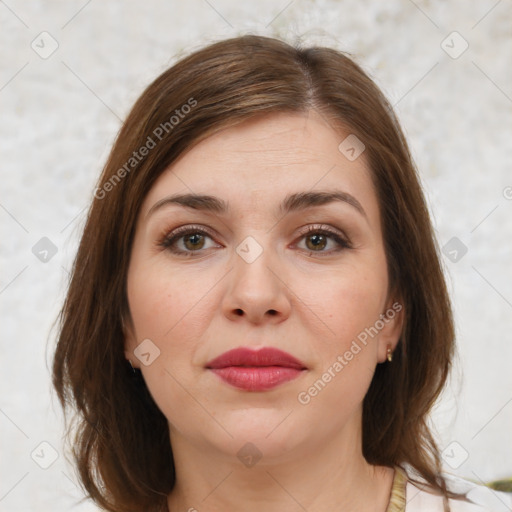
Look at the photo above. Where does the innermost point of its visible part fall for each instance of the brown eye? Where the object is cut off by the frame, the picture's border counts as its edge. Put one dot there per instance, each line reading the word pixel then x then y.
pixel 317 241
pixel 187 241
pixel 194 241
pixel 317 238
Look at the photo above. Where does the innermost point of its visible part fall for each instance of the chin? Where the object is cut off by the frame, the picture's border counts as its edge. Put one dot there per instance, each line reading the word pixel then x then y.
pixel 273 432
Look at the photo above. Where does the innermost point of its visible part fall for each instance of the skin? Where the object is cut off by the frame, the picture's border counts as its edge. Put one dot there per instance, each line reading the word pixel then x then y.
pixel 195 308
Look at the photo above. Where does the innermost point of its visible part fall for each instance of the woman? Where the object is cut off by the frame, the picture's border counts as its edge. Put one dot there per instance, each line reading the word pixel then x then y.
pixel 257 317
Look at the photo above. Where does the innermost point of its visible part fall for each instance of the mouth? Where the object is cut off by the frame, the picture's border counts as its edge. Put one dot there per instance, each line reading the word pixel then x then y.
pixel 260 370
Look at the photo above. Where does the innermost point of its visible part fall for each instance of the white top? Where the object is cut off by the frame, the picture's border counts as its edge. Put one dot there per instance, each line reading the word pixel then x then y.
pixel 482 498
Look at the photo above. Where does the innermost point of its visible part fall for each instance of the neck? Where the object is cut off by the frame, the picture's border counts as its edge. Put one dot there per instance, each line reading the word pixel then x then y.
pixel 330 475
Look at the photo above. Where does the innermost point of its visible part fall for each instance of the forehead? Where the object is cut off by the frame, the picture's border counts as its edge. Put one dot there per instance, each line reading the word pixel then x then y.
pixel 254 164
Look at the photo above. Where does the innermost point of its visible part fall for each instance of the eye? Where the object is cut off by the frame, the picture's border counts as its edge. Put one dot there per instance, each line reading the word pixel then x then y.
pixel 186 240
pixel 316 238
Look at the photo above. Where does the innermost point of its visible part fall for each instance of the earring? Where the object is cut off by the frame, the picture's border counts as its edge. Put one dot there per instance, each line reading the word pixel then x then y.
pixel 133 369
pixel 389 354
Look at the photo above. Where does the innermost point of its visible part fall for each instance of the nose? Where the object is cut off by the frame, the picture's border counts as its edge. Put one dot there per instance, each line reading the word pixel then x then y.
pixel 257 291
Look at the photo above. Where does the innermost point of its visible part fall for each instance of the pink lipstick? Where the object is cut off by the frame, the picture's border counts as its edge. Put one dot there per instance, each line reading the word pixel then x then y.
pixel 252 370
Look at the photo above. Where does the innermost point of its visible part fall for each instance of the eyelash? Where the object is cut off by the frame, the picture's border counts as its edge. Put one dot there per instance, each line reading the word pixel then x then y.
pixel 170 239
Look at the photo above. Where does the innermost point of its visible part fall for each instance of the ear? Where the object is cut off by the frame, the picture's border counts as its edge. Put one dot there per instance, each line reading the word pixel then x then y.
pixel 130 341
pixel 392 319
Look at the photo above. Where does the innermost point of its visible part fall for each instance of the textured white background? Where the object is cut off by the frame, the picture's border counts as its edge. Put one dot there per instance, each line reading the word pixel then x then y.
pixel 59 118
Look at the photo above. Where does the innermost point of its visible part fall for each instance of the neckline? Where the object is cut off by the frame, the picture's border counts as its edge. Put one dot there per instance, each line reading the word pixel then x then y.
pixel 397 497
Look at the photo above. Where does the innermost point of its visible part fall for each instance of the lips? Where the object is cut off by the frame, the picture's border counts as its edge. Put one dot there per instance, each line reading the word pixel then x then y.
pixel 266 356
pixel 260 370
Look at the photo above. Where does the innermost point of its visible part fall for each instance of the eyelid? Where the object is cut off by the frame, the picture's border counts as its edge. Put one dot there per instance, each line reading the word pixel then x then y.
pixel 190 227
pixel 321 227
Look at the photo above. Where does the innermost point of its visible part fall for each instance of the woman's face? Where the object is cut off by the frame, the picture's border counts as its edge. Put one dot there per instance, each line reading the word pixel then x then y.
pixel 253 276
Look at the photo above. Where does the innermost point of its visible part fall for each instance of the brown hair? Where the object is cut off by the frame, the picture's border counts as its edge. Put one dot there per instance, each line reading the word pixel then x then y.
pixel 121 444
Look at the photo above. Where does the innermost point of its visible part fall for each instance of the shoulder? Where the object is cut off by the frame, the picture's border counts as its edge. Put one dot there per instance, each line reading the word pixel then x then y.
pixel 479 497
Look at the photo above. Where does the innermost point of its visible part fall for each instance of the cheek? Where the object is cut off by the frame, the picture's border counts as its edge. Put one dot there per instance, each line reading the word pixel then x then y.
pixel 164 306
pixel 347 356
pixel 352 300
pixel 160 299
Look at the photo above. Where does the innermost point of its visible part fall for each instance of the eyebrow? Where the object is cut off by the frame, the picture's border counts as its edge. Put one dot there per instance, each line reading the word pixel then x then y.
pixel 293 202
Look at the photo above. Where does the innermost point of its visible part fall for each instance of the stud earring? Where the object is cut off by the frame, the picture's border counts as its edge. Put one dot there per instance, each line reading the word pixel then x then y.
pixel 389 354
